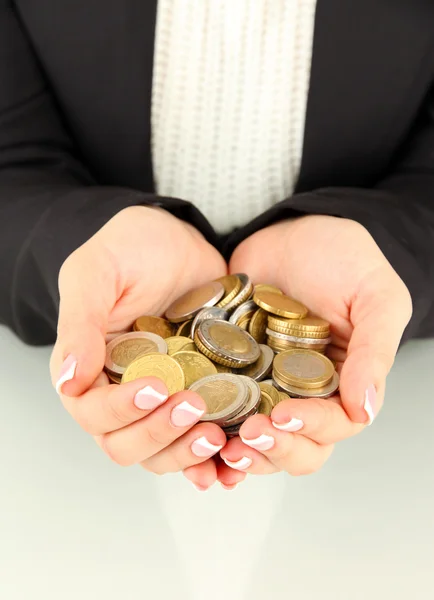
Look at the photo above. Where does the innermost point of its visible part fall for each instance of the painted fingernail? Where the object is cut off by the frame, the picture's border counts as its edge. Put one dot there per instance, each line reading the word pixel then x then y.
pixel 148 398
pixel 185 414
pixel 203 448
pixel 240 465
pixel 229 487
pixel 370 403
pixel 292 425
pixel 263 442
pixel 67 372
pixel 200 488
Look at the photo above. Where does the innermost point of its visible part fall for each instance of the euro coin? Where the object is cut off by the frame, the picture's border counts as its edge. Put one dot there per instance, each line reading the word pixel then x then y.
pixel 244 294
pixel 162 366
pixel 281 305
pixel 124 349
pixel 262 367
pixel 298 392
pixel 195 366
pixel 297 340
pixel 192 302
pixel 285 326
pixel 313 324
pixel 245 310
pixel 226 344
pixel 258 325
pixel 184 328
pixel 232 285
pixel 271 391
pixel 283 396
pixel 208 313
pixel 155 325
pixel 265 287
pixel 250 407
pixel 303 368
pixel 178 343
pixel 224 396
pixel 269 399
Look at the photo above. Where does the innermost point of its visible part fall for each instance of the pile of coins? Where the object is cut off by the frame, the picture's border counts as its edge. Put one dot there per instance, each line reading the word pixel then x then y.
pixel 222 341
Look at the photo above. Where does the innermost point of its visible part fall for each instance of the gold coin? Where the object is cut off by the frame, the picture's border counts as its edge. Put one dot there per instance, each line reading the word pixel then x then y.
pixel 192 302
pixel 154 325
pixel 264 287
pixel 303 368
pixel 185 328
pixel 222 368
pixel 271 391
pixel 122 350
pixel 195 366
pixel 178 343
pixel 243 323
pixel 162 366
pixel 286 326
pixel 262 367
pixel 279 304
pixel 232 285
pixel 258 325
pixel 228 344
pixel 310 324
pixel 284 396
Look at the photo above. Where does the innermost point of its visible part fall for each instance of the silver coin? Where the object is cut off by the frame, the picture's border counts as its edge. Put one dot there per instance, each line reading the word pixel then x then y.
pixel 262 367
pixel 192 302
pixel 124 349
pixel 213 312
pixel 250 407
pixel 297 340
pixel 296 392
pixel 242 310
pixel 215 389
pixel 244 294
pixel 227 341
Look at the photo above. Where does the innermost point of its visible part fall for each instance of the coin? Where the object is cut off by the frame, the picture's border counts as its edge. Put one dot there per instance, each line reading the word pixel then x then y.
pixel 283 396
pixel 279 304
pixel 226 344
pixel 297 392
pixel 321 348
pixel 250 407
pixel 185 328
pixel 208 313
pixel 310 324
pixel 124 349
pixel 224 395
pixel 285 326
pixel 192 302
pixel 244 293
pixel 222 368
pixel 258 325
pixel 155 325
pixel 245 309
pixel 265 287
pixel 113 377
pixel 271 391
pixel 262 367
pixel 195 366
pixel 303 368
pixel 232 285
pixel 162 366
pixel 178 343
pixel 297 340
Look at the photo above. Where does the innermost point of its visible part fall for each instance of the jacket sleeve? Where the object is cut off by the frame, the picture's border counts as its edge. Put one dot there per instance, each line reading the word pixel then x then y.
pixel 49 202
pixel 398 212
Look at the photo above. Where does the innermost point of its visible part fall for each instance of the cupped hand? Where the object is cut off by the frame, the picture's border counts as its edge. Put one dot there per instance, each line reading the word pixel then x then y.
pixel 138 263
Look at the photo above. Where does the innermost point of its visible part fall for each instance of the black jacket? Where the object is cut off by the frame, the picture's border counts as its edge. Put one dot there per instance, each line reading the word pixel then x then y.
pixel 75 99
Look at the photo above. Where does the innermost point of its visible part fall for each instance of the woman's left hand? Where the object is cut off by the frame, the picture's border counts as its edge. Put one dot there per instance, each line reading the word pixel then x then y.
pixel 336 269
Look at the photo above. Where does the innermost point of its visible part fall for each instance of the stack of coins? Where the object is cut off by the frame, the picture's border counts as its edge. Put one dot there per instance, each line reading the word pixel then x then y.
pixel 223 340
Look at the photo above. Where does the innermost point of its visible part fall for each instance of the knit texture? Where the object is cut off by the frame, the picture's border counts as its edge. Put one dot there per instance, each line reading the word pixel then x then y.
pixel 231 80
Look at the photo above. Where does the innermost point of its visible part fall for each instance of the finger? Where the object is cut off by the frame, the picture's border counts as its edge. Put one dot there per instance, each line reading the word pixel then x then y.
pixel 107 408
pixel 229 478
pixel 87 288
pixel 290 452
pixel 197 445
pixel 380 312
pixel 202 476
pixel 242 458
pixel 141 440
pixel 323 421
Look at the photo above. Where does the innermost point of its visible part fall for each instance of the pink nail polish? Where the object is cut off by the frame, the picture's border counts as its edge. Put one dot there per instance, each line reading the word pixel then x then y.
pixel 203 448
pixel 229 487
pixel 263 442
pixel 67 372
pixel 370 404
pixel 148 398
pixel 185 415
pixel 292 426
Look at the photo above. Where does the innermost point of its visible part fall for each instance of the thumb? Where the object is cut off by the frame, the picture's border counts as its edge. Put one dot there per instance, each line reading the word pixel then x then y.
pixel 380 312
pixel 87 296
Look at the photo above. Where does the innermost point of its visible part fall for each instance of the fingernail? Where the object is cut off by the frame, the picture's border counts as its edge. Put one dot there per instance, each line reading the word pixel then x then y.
pixel 229 487
pixel 67 372
pixel 185 414
pixel 203 448
pixel 370 403
pixel 240 465
pixel 263 442
pixel 200 488
pixel 148 398
pixel 292 425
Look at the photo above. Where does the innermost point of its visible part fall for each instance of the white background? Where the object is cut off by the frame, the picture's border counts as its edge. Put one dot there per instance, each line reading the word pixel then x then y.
pixel 75 526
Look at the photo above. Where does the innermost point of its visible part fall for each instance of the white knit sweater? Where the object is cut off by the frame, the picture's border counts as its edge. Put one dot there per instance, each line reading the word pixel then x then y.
pixel 230 87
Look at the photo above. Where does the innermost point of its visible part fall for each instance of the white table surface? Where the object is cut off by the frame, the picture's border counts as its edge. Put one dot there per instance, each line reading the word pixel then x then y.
pixel 73 525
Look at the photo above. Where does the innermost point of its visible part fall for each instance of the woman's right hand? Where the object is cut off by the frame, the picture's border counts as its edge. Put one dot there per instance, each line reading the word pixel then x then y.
pixel 138 263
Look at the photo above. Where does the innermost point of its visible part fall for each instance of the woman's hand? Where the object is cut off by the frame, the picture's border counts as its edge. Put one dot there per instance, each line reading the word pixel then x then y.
pixel 336 269
pixel 137 264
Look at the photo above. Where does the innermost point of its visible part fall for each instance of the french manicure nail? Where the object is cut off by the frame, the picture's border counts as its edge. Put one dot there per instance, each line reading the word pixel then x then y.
pixel 292 425
pixel 240 465
pixel 229 487
pixel 263 442
pixel 185 414
pixel 370 403
pixel 203 448
pixel 148 398
pixel 67 372
pixel 200 488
